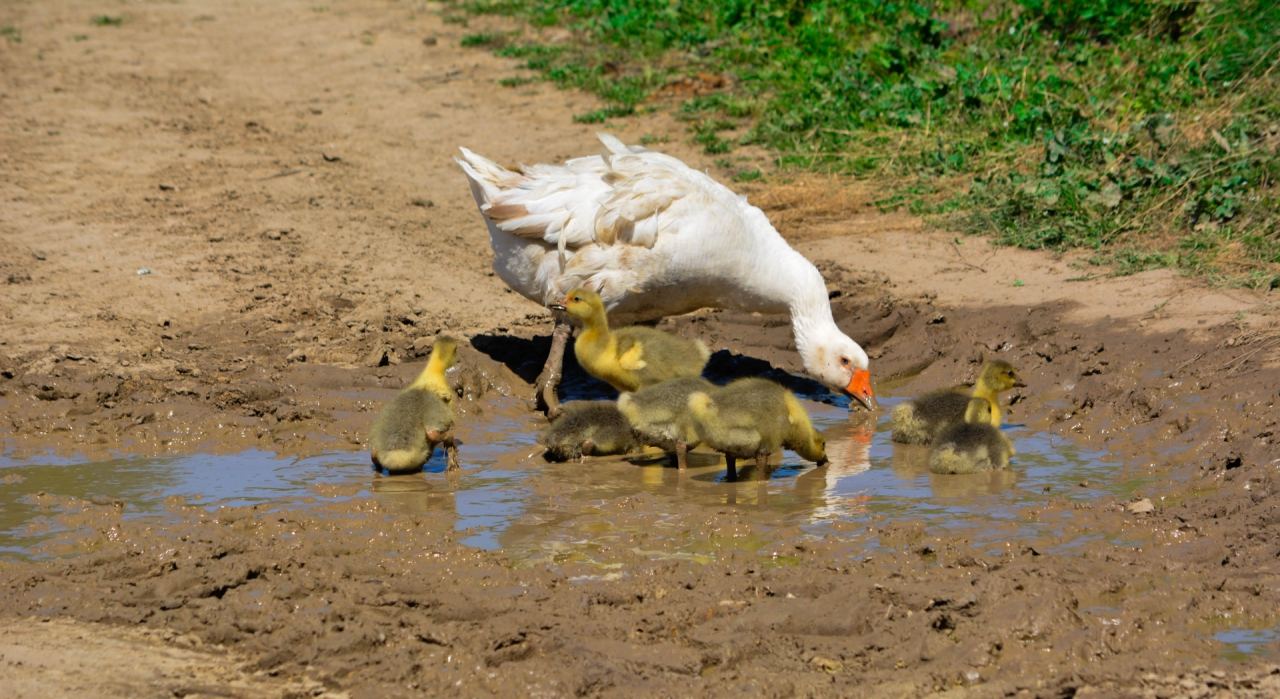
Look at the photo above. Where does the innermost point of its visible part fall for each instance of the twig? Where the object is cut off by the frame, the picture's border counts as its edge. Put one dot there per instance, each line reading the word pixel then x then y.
pixel 966 262
pixel 1266 344
pixel 1088 277
pixel 1184 364
pixel 283 174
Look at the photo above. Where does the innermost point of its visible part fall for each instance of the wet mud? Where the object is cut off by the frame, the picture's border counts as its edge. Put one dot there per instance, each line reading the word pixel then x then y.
pixel 274 206
pixel 376 601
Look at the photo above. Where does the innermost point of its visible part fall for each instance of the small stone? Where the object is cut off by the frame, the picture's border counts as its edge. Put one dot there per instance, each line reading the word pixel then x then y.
pixel 298 355
pixel 166 187
pixel 826 664
pixel 430 41
pixel 144 270
pixel 38 254
pixel 1141 506
pixel 424 203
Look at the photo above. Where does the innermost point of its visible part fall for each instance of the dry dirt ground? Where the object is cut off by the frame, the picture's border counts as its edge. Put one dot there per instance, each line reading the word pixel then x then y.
pixel 282 172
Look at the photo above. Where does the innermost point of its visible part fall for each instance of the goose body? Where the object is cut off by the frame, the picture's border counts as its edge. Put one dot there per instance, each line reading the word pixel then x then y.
pixel 654 237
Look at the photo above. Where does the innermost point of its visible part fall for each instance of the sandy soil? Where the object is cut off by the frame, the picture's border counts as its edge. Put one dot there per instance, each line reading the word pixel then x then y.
pixel 283 173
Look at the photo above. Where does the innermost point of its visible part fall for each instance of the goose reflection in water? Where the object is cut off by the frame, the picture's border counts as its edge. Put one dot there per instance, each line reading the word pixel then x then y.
pixel 833 485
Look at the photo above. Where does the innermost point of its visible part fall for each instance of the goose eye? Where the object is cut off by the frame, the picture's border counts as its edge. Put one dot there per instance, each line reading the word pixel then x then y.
pixel 844 361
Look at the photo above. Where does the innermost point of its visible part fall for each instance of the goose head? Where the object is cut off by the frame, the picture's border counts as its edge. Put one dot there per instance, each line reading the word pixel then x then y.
pixel 833 358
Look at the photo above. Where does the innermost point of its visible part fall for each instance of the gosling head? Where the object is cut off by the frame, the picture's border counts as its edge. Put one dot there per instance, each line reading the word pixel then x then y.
pixel 998 375
pixel 978 412
pixel 833 358
pixel 445 351
pixel 580 303
pixel 815 450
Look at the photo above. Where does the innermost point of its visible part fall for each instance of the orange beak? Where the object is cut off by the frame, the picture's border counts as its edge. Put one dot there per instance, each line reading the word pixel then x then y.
pixel 859 389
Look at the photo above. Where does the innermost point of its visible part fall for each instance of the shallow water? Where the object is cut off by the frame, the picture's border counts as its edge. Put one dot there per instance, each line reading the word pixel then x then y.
pixel 605 510
pixel 1239 645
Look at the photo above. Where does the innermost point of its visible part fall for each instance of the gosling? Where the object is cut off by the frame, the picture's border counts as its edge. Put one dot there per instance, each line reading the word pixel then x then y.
pixel 661 417
pixel 630 358
pixel 919 420
pixel 409 427
pixel 972 446
pixel 589 428
pixel 755 417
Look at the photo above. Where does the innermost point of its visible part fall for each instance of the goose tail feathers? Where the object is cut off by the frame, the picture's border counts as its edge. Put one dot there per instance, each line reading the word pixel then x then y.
pixel 486 177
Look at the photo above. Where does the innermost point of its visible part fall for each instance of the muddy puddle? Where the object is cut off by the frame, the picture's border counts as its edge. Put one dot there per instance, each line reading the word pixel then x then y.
pixel 605 511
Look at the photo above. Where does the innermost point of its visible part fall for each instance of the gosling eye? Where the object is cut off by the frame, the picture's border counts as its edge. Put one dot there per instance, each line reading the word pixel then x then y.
pixel 577 298
pixel 844 361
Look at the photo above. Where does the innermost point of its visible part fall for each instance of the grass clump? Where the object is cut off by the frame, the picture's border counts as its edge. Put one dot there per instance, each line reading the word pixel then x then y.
pixel 107 20
pixel 1146 131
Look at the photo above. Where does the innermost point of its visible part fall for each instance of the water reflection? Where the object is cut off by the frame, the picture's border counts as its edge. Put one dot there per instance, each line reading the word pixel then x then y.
pixel 601 509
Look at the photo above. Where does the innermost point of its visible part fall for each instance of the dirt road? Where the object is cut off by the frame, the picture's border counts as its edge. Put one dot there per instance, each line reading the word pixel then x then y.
pixel 228 225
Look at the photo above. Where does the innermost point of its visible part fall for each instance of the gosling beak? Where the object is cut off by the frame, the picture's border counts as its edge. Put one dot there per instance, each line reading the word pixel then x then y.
pixel 1019 383
pixel 558 306
pixel 859 389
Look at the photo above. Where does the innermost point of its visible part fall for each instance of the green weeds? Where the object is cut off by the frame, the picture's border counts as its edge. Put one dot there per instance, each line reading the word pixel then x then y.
pixel 1146 131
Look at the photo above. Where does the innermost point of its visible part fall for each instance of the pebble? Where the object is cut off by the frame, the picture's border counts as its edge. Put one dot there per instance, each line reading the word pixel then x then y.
pixel 1141 506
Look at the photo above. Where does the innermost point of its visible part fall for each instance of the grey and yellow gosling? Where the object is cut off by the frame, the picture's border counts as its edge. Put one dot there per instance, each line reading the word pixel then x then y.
pixel 406 432
pixel 661 417
pixel 921 419
pixel 589 428
pixel 755 417
pixel 972 446
pixel 629 358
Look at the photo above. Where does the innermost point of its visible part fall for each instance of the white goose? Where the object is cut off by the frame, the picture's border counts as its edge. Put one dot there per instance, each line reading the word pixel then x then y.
pixel 654 238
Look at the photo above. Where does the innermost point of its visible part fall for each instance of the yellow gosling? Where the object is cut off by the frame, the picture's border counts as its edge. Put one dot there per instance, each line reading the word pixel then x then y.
pixel 406 432
pixel 661 417
pixel 589 428
pixel 972 446
pixel 630 358
pixel 919 420
pixel 755 417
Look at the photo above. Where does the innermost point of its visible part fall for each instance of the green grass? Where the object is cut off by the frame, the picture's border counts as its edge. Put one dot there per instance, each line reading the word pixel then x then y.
pixel 11 34
pixel 107 20
pixel 1144 131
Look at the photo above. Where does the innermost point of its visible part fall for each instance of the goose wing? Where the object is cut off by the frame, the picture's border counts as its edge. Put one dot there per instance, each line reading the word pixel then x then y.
pixel 617 197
